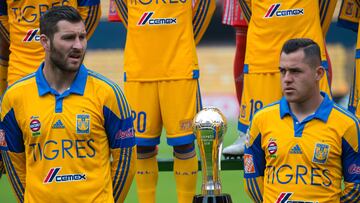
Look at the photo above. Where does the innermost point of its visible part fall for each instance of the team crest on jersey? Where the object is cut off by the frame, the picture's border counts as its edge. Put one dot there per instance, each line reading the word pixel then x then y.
pixel 321 153
pixel 35 126
pixel 284 197
pixel 32 35
pixel 147 20
pixel 2 138
pixel 272 147
pixel 82 124
pixel 274 11
pixel 349 8
pixel 249 163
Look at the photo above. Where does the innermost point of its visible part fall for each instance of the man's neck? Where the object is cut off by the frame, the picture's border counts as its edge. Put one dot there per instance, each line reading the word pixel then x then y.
pixel 304 109
pixel 57 79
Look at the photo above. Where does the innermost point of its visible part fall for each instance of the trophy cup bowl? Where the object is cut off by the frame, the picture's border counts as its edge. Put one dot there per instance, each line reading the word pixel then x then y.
pixel 210 126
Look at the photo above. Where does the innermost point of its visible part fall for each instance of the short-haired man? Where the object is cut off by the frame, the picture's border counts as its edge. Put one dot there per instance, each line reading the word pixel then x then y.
pixel 301 148
pixel 62 123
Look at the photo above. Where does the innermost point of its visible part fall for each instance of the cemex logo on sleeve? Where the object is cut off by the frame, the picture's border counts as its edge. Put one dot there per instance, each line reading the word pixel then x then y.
pixel 275 11
pixel 53 176
pixel 147 20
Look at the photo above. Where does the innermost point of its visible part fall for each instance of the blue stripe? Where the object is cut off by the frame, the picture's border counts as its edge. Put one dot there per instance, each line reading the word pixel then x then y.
pixel 177 141
pixel 147 18
pixel 4 32
pixel 124 76
pixel 325 12
pixel 14 177
pixel 248 183
pixel 93 18
pixel 207 5
pixel 118 169
pixel 253 189
pixel 123 10
pixel 242 127
pixel 198 15
pixel 357 54
pixel 126 174
pixel 321 6
pixel 118 93
pixel 118 182
pixel 88 2
pixel 257 189
pixel 196 74
pixel 246 10
pixel 347 196
pixel 147 141
pixel 246 68
pixel 325 65
pixel 351 106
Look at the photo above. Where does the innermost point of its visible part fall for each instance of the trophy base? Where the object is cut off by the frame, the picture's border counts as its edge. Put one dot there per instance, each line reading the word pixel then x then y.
pixel 223 198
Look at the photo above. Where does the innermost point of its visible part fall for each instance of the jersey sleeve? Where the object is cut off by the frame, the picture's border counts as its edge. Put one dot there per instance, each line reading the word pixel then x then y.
pixel 245 6
pixel 90 11
pixel 254 163
pixel 13 149
pixel 203 11
pixel 326 9
pixel 120 131
pixel 349 15
pixel 121 6
pixel 4 23
pixel 351 164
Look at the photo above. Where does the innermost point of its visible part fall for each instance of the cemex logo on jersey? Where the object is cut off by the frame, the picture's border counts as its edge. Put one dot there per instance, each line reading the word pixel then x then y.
pixel 284 197
pixel 274 10
pixel 146 19
pixel 53 176
pixel 32 35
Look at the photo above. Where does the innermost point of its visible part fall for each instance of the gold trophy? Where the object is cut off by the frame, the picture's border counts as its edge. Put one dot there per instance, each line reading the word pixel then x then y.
pixel 209 126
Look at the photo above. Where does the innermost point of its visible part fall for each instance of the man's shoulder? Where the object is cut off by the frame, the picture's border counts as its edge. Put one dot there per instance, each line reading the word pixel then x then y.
pixel 269 110
pixel 22 85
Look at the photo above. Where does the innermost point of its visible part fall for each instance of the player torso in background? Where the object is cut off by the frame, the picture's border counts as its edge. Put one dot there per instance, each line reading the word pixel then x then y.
pixel 160 42
pixel 275 21
pixel 26 50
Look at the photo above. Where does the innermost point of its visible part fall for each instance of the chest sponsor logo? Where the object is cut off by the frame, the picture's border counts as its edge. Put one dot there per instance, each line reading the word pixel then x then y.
pixel 249 163
pixel 284 197
pixel 58 125
pixel 32 35
pixel 321 153
pixel 295 149
pixel 35 126
pixel 354 169
pixel 146 19
pixel 274 11
pixel 272 147
pixel 82 124
pixel 54 176
pixel 2 138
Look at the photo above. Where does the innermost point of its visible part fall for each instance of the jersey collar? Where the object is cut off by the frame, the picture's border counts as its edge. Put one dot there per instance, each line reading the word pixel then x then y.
pixel 77 87
pixel 322 113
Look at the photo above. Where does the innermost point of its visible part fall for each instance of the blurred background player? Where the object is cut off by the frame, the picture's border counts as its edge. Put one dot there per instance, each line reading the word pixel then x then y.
pixel 161 84
pixel 270 25
pixel 232 16
pixel 58 146
pixel 349 17
pixel 19 27
pixel 297 150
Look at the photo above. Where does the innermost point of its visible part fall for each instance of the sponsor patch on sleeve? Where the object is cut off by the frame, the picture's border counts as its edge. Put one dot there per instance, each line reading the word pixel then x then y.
pixel 249 163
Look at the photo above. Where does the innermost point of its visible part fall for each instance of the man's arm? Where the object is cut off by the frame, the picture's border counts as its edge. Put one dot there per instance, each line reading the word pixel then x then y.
pixel 90 11
pixel 351 164
pixel 245 6
pixel 326 9
pixel 254 163
pixel 203 11
pixel 121 6
pixel 120 131
pixel 13 149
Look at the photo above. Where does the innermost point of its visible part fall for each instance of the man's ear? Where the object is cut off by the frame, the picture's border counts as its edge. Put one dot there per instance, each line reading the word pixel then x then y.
pixel 320 71
pixel 45 42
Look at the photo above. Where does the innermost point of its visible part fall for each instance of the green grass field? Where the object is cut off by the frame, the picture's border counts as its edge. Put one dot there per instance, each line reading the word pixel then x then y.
pixel 232 181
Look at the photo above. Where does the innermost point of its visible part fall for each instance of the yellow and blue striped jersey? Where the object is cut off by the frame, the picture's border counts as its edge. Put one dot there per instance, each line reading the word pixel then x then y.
pixel 349 17
pixel 57 147
pixel 290 161
pixel 161 37
pixel 272 23
pixel 19 23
